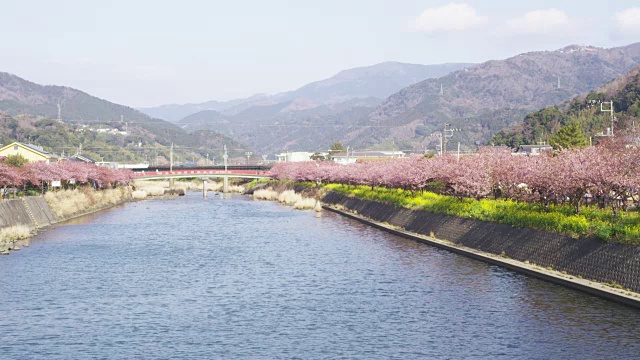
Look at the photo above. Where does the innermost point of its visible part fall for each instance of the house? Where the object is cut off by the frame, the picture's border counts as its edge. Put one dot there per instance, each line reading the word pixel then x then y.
pixel 30 152
pixel 533 149
pixel 81 158
pixel 355 156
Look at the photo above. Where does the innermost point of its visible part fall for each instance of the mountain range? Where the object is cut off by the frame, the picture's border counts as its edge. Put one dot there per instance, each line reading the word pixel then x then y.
pixel 484 99
pixel 375 81
pixel 479 100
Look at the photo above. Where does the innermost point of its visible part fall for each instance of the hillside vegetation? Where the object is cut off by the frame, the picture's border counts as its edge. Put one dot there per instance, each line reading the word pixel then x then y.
pixel 543 125
pixel 484 99
pixel 26 110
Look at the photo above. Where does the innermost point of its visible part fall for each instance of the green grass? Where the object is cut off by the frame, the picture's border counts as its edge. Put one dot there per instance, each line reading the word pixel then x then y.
pixel 589 222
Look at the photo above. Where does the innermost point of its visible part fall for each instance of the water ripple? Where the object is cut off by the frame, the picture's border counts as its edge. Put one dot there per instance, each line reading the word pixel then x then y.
pixel 233 278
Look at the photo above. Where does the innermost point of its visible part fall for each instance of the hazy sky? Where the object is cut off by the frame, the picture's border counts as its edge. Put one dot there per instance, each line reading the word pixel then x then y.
pixel 145 53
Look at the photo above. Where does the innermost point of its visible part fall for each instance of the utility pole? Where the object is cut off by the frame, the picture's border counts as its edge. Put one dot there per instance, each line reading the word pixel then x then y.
pixel 59 113
pixel 446 133
pixel 248 153
pixel 439 136
pixel 225 157
pixel 225 179
pixel 444 139
pixel 264 159
pixel 441 90
pixel 171 158
pixel 610 110
pixel 207 164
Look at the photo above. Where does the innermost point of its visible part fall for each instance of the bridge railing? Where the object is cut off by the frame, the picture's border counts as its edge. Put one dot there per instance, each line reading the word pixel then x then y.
pixel 195 173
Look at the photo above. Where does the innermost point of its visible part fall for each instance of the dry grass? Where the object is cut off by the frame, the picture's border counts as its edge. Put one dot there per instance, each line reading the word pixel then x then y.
pixel 157 187
pixel 141 184
pixel 154 190
pixel 265 194
pixel 65 203
pixel 13 233
pixel 236 188
pixel 288 197
pixel 154 187
pixel 305 204
pixel 219 186
pixel 139 194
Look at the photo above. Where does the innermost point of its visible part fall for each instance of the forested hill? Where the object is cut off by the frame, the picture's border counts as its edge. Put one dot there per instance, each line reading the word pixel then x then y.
pixel 484 99
pixel 542 125
pixel 19 96
pixel 22 101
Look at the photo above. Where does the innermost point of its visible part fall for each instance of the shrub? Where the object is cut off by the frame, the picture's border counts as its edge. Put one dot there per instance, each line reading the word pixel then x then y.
pixel 139 194
pixel 13 233
pixel 590 221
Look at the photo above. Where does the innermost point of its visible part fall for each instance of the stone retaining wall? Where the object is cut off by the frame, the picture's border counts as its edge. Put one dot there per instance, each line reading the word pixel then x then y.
pixel 590 258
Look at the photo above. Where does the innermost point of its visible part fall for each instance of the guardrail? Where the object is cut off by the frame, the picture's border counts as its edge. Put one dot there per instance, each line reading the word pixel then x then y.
pixel 195 173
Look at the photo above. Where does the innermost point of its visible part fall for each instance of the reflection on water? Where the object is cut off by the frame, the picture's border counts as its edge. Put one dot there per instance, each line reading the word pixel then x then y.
pixel 193 278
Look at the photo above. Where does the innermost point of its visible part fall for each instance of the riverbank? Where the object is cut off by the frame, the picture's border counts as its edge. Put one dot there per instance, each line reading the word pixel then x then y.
pixel 605 269
pixel 250 268
pixel 298 196
pixel 24 217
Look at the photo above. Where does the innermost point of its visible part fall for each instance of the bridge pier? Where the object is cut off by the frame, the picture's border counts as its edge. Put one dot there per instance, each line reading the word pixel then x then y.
pixel 225 184
pixel 204 188
pixel 172 183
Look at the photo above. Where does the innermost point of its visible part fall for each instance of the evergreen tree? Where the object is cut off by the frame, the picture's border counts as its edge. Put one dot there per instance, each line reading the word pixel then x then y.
pixel 16 160
pixel 337 147
pixel 569 136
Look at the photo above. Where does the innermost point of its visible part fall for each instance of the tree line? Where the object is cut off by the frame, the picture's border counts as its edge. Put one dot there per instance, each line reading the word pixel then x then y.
pixel 40 174
pixel 607 175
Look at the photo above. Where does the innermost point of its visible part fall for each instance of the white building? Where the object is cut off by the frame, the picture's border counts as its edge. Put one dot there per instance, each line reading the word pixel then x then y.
pixel 297 156
pixel 351 157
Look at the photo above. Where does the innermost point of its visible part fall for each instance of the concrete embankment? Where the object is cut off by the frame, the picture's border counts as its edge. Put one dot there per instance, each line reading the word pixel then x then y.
pixel 32 211
pixel 588 265
pixel 22 217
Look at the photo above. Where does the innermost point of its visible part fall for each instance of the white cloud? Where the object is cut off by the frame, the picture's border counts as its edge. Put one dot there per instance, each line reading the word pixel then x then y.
pixel 627 21
pixel 450 17
pixel 541 22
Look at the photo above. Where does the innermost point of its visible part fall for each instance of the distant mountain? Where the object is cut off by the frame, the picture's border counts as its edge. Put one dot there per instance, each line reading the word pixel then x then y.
pixel 542 125
pixel 22 100
pixel 480 101
pixel 484 99
pixel 19 96
pixel 272 128
pixel 379 81
pixel 176 112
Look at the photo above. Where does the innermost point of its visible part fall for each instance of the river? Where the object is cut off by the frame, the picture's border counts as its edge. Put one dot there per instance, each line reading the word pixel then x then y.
pixel 237 278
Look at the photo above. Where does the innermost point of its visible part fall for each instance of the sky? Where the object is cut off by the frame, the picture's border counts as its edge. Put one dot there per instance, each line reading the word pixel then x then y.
pixel 144 53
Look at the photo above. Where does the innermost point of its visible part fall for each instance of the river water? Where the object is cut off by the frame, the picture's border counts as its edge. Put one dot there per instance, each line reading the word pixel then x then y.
pixel 237 278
